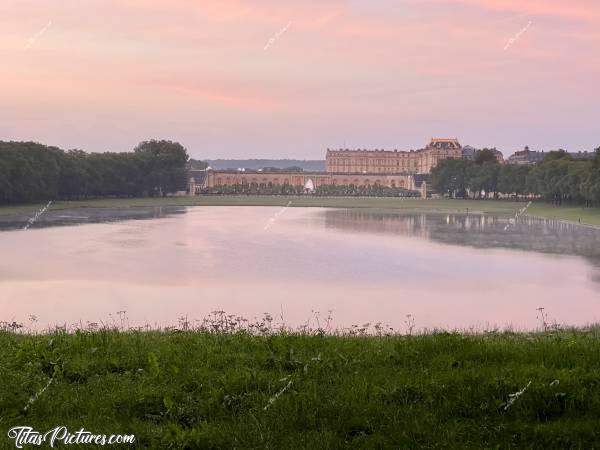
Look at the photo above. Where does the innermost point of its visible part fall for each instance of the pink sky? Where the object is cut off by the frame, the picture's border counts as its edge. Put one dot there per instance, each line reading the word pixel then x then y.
pixel 105 74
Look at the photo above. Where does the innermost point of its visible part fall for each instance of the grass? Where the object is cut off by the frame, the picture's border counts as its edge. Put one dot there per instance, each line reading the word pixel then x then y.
pixel 182 389
pixel 589 216
pixel 303 201
pixel 199 389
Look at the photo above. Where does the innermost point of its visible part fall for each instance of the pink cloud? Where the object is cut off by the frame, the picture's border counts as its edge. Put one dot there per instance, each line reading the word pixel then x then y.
pixel 265 11
pixel 350 65
pixel 234 94
pixel 585 10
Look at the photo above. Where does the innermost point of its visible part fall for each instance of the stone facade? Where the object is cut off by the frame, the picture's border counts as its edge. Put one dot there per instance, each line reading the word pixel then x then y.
pixel 531 157
pixel 469 153
pixel 228 177
pixel 393 162
pixel 526 157
pixel 392 169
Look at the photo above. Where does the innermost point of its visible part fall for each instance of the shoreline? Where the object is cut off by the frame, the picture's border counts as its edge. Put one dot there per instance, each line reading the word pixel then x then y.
pixel 566 222
pixel 568 214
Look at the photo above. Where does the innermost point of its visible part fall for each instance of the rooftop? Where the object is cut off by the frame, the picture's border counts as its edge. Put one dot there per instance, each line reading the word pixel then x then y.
pixel 444 140
pixel 444 143
pixel 439 143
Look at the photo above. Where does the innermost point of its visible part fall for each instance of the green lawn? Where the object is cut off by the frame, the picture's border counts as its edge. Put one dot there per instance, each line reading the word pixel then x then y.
pixel 184 389
pixel 590 216
pixel 306 201
pixel 587 215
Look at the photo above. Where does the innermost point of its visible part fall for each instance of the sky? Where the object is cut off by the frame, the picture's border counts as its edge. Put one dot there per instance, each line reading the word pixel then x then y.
pixel 289 79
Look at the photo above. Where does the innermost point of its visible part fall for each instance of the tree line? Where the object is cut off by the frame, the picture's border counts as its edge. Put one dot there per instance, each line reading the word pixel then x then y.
pixel 374 190
pixel 558 178
pixel 325 190
pixel 254 189
pixel 33 172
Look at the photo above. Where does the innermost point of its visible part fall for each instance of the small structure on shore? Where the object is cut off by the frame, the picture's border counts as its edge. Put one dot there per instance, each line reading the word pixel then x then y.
pixel 309 187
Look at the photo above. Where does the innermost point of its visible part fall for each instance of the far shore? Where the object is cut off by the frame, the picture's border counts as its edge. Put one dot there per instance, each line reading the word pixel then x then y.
pixel 571 214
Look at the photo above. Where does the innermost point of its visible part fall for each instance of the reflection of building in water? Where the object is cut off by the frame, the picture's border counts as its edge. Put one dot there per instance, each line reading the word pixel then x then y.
pixel 473 222
pixel 411 224
pixel 475 230
pixel 349 219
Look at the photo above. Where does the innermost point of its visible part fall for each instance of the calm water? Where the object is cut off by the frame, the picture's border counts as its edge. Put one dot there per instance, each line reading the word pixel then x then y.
pixel 158 264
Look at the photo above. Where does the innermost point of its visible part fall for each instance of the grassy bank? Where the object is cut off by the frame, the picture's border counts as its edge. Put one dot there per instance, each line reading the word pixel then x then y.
pixel 569 213
pixel 590 216
pixel 202 390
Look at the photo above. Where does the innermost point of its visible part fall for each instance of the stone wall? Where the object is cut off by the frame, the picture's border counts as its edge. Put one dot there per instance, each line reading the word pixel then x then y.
pixel 230 177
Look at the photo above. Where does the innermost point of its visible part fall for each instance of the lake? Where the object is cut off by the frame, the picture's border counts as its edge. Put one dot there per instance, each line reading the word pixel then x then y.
pixel 446 271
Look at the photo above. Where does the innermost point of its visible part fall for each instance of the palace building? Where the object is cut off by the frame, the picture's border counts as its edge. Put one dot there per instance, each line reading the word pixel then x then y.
pixel 394 169
pixel 393 162
pixel 215 178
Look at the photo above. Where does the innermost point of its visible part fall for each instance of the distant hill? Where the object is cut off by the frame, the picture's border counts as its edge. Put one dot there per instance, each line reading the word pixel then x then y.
pixel 196 164
pixel 307 165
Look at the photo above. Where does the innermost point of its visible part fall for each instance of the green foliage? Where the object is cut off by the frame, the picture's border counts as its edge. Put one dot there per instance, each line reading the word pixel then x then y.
pixel 557 154
pixel 293 169
pixel 331 190
pixel 328 190
pixel 34 172
pixel 484 156
pixel 452 177
pixel 255 189
pixel 285 169
pixel 177 390
pixel 163 164
pixel 484 177
pixel 557 179
pixel 513 179
pixel 28 171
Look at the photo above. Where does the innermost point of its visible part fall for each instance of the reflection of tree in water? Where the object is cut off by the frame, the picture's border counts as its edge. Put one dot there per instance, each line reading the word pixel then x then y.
pixel 481 231
pixel 62 217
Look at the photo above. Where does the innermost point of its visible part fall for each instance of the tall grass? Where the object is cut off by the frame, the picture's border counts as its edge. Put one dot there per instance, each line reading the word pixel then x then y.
pixel 228 383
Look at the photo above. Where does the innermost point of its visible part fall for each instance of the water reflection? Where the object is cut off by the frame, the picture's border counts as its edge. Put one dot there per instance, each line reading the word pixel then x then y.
pixel 80 216
pixel 480 231
pixel 446 270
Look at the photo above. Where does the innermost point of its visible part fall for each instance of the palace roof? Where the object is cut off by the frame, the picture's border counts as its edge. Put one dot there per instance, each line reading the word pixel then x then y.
pixel 444 143
pixel 436 143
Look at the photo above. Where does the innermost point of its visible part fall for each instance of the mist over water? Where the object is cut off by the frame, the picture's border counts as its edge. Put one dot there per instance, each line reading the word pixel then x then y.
pixel 366 266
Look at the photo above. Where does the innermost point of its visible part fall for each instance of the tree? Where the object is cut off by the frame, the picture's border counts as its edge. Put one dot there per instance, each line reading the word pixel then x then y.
pixel 556 154
pixel 513 179
pixel 164 163
pixel 33 172
pixel 570 185
pixel 451 176
pixel 590 185
pixel 484 177
pixel 484 155
pixel 546 179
